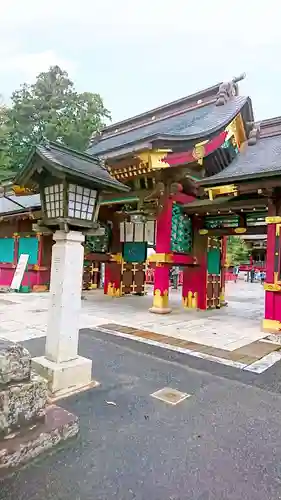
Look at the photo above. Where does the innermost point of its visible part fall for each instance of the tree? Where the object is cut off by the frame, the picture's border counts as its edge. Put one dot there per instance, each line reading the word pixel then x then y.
pixel 5 161
pixel 51 108
pixel 237 251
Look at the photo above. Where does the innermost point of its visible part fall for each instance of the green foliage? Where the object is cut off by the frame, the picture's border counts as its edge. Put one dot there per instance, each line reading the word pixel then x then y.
pixel 50 108
pixel 5 161
pixel 237 251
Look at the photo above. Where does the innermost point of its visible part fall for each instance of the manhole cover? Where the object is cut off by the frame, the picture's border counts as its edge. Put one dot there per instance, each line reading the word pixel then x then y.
pixel 170 396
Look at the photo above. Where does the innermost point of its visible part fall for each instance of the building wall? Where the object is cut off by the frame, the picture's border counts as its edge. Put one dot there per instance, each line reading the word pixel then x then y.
pixel 16 237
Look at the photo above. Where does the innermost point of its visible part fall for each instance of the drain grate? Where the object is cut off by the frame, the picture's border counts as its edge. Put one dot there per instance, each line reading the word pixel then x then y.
pixel 170 396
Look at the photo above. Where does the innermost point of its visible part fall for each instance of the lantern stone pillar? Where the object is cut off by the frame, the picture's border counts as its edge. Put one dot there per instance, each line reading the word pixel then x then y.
pixel 61 366
pixel 70 185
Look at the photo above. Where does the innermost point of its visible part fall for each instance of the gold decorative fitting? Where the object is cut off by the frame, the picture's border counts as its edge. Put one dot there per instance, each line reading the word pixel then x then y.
pixel 198 152
pixel 161 299
pixel 21 190
pixel 112 291
pixel 272 287
pixel 164 258
pixel 191 301
pixel 203 231
pixel 271 325
pixel 221 190
pixel 154 159
pixel 116 258
pixel 240 230
pixel 273 220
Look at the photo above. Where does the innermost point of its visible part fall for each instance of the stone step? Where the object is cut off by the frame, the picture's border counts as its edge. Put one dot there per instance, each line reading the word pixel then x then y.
pixel 22 402
pixel 19 447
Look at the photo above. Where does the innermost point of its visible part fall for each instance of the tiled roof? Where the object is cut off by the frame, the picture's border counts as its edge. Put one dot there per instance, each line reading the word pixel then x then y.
pixel 71 162
pixel 187 125
pixel 10 204
pixel 79 162
pixel 260 160
pixel 189 101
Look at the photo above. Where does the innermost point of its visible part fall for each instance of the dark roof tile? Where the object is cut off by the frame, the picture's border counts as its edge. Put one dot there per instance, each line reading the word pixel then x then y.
pixel 190 124
pixel 262 159
pixel 78 162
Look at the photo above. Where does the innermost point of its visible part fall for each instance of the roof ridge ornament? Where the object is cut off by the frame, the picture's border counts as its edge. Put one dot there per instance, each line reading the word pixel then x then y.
pixel 95 138
pixel 45 143
pixel 254 134
pixel 227 90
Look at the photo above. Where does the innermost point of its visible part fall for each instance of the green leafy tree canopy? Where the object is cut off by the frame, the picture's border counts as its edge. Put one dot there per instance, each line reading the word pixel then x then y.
pixel 5 161
pixel 237 251
pixel 50 108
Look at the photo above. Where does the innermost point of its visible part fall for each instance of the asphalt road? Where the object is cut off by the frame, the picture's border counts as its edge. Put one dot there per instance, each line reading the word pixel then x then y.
pixel 223 443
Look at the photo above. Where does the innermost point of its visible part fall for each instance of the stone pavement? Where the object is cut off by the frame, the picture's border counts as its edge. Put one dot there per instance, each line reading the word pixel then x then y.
pixel 231 335
pixel 221 443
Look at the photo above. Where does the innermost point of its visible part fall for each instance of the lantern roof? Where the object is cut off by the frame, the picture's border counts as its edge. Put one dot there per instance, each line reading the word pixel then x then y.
pixel 62 161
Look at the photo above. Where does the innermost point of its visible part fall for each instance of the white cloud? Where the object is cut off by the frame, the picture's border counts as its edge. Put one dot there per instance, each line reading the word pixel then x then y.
pixel 158 18
pixel 143 53
pixel 28 66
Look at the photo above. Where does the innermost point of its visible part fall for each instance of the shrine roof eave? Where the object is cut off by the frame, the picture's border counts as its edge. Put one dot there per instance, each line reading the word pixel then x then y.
pixel 256 162
pixel 65 161
pixel 194 124
pixel 241 179
pixel 224 204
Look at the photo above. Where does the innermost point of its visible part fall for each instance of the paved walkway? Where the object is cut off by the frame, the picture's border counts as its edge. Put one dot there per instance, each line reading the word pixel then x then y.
pixel 231 329
pixel 221 443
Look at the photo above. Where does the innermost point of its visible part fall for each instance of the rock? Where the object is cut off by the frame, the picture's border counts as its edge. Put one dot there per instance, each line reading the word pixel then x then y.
pixel 15 362
pixel 22 403
pixel 18 448
pixel 28 426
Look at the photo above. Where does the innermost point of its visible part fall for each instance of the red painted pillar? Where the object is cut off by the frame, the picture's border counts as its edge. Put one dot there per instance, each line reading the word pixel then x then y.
pixel 194 289
pixel 112 277
pixel 161 258
pixel 272 320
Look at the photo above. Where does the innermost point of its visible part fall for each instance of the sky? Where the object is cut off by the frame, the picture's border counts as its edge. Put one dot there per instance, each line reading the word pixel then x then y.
pixel 140 54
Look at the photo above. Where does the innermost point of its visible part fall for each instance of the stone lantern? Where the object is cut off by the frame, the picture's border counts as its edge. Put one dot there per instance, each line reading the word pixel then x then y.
pixel 69 184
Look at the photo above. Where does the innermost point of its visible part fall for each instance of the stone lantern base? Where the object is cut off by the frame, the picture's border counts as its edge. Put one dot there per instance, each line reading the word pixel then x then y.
pixel 65 378
pixel 28 426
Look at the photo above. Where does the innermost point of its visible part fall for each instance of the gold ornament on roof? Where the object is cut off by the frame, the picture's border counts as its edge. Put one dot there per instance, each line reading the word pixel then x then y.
pixel 199 152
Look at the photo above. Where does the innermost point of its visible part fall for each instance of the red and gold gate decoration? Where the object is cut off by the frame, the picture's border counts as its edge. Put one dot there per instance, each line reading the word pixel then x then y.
pixel 213 273
pixel 91 275
pixel 133 278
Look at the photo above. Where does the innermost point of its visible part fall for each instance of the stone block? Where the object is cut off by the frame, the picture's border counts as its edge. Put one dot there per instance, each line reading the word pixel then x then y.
pixel 64 378
pixel 22 403
pixel 18 448
pixel 15 362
